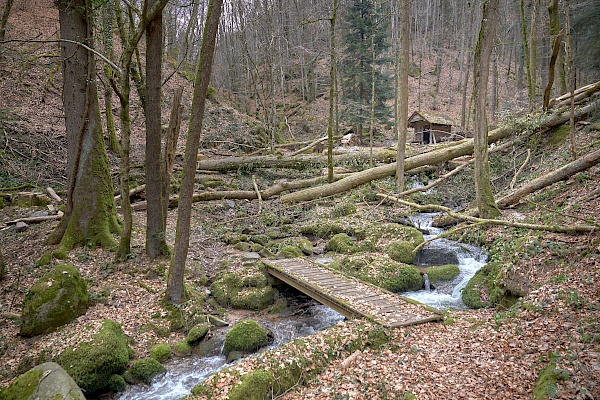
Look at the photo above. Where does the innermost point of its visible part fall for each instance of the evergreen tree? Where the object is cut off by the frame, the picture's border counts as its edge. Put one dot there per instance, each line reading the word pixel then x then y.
pixel 364 61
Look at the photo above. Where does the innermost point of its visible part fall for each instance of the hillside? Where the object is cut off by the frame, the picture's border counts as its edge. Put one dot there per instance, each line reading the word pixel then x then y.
pixel 536 335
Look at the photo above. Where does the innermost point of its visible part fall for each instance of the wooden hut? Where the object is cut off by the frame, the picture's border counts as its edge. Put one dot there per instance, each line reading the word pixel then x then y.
pixel 430 127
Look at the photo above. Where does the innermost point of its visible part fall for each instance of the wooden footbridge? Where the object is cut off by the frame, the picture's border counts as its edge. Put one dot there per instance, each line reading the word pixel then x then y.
pixel 349 296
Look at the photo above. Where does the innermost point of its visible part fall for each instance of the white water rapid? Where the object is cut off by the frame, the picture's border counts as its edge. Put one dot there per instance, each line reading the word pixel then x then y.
pixel 447 295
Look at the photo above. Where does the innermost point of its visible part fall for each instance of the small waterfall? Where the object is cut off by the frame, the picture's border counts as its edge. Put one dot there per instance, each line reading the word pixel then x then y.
pixel 427 283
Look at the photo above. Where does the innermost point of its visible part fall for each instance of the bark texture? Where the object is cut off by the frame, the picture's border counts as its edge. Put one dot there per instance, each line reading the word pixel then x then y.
pixel 175 289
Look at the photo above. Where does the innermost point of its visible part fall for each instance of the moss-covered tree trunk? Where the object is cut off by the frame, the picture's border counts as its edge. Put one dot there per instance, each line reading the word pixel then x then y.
pixel 175 291
pixel 483 50
pixel 402 101
pixel 2 267
pixel 90 214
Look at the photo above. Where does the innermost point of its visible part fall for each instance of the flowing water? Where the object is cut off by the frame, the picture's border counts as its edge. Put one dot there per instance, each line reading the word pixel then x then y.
pixel 183 373
pixel 447 295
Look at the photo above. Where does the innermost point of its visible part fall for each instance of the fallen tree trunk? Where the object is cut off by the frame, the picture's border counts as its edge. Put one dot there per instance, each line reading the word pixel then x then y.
pixel 550 228
pixel 581 164
pixel 460 149
pixel 36 220
pixel 296 162
pixel 271 191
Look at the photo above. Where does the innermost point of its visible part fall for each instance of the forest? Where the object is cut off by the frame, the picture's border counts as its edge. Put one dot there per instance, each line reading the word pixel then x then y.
pixel 260 199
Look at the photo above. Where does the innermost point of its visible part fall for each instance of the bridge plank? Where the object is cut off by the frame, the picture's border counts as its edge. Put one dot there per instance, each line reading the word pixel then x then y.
pixel 349 296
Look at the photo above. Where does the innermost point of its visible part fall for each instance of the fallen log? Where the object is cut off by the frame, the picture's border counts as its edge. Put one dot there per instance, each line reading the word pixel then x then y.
pixel 571 229
pixel 52 193
pixel 35 220
pixel 581 164
pixel 296 162
pixel 459 149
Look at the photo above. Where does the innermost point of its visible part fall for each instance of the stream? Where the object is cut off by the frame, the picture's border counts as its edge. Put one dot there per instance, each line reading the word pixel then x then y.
pixel 183 373
pixel 447 295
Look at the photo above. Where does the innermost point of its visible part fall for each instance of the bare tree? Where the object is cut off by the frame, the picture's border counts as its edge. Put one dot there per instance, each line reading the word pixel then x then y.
pixel 4 19
pixel 402 101
pixel 175 290
pixel 484 196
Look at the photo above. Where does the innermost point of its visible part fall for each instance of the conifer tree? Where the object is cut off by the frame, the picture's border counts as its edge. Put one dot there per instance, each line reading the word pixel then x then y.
pixel 364 61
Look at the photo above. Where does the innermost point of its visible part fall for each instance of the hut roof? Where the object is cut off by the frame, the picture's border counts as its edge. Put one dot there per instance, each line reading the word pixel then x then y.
pixel 430 117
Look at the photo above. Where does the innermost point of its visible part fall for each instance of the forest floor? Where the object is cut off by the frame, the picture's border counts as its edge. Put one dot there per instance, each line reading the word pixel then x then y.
pixel 473 354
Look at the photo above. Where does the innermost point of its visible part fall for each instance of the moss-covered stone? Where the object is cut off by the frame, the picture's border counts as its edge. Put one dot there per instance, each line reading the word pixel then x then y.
pixel 390 232
pixel 182 348
pixel 246 336
pixel 57 298
pixel 340 243
pixel 288 251
pixel 443 273
pixel 400 251
pixel 246 290
pixel 116 383
pixel 234 238
pixel 91 364
pixel 305 246
pixel 57 385
pixel 145 369
pixel 325 229
pixel 161 352
pixel 197 333
pixel 390 275
pixel 254 386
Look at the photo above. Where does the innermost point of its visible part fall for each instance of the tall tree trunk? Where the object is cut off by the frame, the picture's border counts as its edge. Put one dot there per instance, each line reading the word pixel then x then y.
pixel 332 91
pixel 175 289
pixel 2 267
pixel 402 101
pixel 107 39
pixel 483 50
pixel 526 55
pixel 156 244
pixel 4 20
pixel 556 39
pixel 571 80
pixel 90 214
pixel 533 28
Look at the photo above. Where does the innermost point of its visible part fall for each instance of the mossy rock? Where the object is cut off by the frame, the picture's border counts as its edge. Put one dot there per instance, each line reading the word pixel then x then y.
pixel 91 364
pixel 161 352
pixel 305 246
pixel 117 383
pixel 234 238
pixel 246 290
pixel 401 251
pixel 391 275
pixel 289 251
pixel 442 273
pixel 182 348
pixel 260 239
pixel 340 243
pixel 326 229
pixel 145 369
pixel 245 336
pixel 390 232
pixel 56 299
pixel 255 385
pixel 197 333
pixel 56 385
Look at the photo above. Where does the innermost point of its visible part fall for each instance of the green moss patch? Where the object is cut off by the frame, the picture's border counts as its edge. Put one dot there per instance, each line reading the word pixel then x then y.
pixel 145 369
pixel 182 348
pixel 57 298
pixel 197 333
pixel 391 275
pixel 253 386
pixel 161 352
pixel 442 273
pixel 245 336
pixel 247 289
pixel 384 233
pixel 546 385
pixel 401 251
pixel 91 364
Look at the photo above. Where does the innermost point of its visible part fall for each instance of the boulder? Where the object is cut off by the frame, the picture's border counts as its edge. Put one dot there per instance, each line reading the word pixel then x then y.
pixel 436 255
pixel 46 381
pixel 93 363
pixel 21 226
pixel 245 336
pixel 57 298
